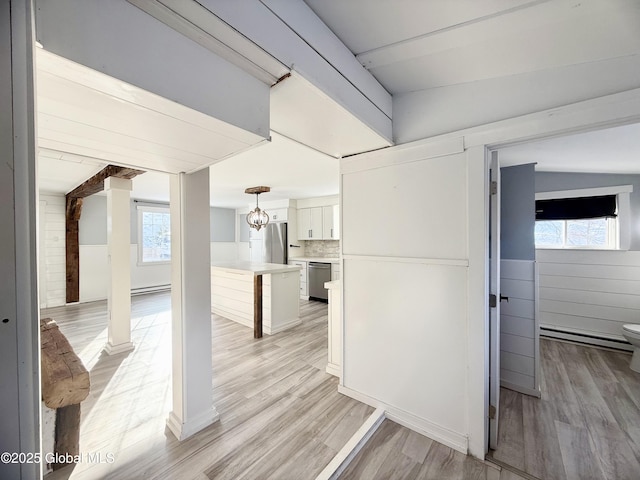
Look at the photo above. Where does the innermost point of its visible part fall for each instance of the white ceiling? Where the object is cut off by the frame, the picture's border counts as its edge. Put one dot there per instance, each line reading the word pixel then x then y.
pixel 292 170
pixel 612 150
pixel 411 45
pixel 406 44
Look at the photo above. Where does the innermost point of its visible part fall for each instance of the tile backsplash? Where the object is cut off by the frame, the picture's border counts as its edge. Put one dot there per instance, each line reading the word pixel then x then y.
pixel 321 248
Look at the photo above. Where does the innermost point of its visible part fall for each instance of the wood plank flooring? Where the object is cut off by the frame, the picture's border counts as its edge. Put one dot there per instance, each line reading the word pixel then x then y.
pixel 395 452
pixel 587 423
pixel 281 416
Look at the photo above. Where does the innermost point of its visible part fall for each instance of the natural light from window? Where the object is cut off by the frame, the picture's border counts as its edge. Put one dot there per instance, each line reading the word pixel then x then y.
pixel 155 235
pixel 596 233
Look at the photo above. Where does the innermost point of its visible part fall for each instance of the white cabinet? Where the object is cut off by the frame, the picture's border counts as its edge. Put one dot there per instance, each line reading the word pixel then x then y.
pixel 304 289
pixel 331 222
pixel 310 223
pixel 278 214
pixel 335 271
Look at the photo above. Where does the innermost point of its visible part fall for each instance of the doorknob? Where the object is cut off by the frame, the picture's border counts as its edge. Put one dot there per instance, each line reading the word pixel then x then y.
pixel 502 297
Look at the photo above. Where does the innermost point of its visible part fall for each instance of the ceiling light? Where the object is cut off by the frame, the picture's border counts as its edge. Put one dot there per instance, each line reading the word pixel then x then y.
pixel 257 218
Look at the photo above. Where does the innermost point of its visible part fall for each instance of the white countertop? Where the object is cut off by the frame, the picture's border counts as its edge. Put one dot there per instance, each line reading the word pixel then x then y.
pixel 253 268
pixel 317 259
pixel 333 284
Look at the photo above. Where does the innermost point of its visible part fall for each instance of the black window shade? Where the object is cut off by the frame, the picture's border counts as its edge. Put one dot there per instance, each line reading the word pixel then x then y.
pixel 576 208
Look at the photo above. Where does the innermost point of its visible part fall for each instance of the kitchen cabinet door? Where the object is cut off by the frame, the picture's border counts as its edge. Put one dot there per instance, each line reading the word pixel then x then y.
pixel 331 222
pixel 310 223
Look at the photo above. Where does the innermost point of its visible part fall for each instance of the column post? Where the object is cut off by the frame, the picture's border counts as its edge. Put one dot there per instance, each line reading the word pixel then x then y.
pixel 192 388
pixel 119 247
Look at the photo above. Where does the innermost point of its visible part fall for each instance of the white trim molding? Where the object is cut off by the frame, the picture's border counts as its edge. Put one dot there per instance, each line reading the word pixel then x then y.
pixel 455 440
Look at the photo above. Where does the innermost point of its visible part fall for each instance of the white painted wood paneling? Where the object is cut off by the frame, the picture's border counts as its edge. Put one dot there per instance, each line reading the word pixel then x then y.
pixel 404 334
pixel 589 293
pixel 52 258
pixel 518 330
pixel 398 212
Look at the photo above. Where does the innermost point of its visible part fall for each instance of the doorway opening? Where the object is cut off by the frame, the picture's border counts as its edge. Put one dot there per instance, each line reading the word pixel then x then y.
pixel 567 400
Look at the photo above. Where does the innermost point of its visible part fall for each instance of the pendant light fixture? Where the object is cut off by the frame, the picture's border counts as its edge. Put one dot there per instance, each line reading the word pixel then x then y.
pixel 257 218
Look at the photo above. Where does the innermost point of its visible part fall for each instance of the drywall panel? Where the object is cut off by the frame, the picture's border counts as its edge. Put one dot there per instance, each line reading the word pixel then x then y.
pixel 517 212
pixel 416 209
pixel 123 42
pixel 405 338
pixel 223 224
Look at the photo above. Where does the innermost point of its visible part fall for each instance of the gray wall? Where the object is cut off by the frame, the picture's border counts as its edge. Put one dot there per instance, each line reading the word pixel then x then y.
pixel 223 224
pixel 93 221
pixel 244 228
pixel 517 212
pixel 551 181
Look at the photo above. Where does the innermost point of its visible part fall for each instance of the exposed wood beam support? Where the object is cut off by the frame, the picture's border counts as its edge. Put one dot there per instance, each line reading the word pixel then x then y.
pixel 96 183
pixel 74 198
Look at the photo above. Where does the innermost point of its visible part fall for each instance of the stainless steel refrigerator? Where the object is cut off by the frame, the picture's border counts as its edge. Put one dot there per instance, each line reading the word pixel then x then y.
pixel 269 245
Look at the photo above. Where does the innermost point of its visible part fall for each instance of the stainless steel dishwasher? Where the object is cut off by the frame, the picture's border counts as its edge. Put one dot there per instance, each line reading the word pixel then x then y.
pixel 319 273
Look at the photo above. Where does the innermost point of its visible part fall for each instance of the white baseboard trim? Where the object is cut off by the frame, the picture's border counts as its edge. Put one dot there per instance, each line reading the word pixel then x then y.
pixel 153 289
pixel 517 388
pixel 333 369
pixel 183 430
pixel 110 349
pixel 271 331
pixel 348 452
pixel 455 440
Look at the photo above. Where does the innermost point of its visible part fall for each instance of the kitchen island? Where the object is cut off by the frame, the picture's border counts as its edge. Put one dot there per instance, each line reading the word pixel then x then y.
pixel 262 296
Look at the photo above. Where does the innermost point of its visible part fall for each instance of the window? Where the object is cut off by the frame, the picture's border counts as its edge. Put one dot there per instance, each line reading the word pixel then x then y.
pixel 595 218
pixel 154 235
pixel 586 233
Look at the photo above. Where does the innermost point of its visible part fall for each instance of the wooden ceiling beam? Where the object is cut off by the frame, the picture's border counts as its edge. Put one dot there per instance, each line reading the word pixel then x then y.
pixel 74 198
pixel 95 184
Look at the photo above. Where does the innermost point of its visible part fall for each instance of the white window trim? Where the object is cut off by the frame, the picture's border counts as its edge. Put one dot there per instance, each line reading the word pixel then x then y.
pixel 141 209
pixel 622 192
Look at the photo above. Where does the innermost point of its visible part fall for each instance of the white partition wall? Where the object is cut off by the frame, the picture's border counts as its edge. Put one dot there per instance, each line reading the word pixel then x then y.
pixel 519 331
pixel 404 245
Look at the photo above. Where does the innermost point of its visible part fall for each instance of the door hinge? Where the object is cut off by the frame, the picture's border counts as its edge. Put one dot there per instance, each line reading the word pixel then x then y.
pixel 492 412
pixel 493 300
pixel 494 187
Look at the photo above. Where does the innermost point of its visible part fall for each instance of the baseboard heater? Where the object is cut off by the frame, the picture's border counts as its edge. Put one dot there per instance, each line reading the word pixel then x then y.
pixel 585 338
pixel 153 289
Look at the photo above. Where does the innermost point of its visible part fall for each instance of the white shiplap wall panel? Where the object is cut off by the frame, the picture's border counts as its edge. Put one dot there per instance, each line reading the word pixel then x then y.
pixel 53 256
pixel 590 284
pixel 589 293
pixel 615 272
pixel 518 330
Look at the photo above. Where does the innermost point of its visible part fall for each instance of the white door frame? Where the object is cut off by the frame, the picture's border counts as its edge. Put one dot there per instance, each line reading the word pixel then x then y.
pixel 494 293
pixel 595 114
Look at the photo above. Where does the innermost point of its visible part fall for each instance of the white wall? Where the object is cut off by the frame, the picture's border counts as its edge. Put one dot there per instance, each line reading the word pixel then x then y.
pixel 591 293
pixel 52 258
pixel 94 268
pixel 405 290
pixel 519 335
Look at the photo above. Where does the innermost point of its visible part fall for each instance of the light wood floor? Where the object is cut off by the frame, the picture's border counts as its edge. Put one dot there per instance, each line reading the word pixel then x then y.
pixel 585 426
pixel 281 416
pixel 397 453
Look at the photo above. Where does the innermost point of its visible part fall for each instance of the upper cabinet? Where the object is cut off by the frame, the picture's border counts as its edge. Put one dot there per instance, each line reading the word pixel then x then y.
pixel 319 223
pixel 331 222
pixel 310 223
